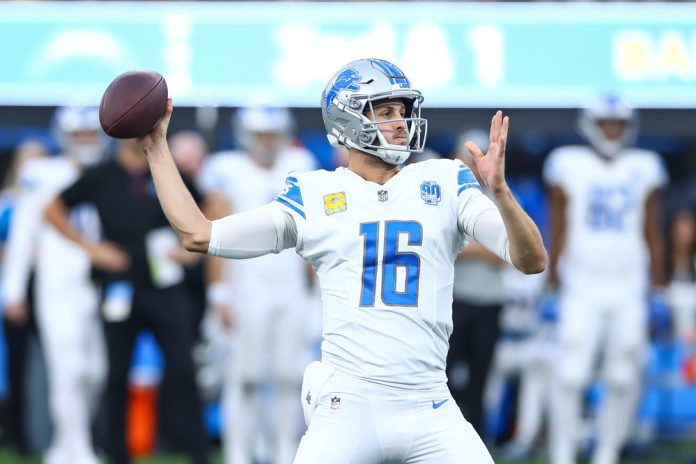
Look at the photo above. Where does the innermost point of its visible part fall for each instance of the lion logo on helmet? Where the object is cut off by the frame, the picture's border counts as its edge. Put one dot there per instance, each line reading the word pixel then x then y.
pixel 347 80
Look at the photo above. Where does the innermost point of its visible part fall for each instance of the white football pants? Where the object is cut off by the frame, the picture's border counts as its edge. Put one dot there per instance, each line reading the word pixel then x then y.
pixel 268 351
pixel 73 344
pixel 598 318
pixel 352 421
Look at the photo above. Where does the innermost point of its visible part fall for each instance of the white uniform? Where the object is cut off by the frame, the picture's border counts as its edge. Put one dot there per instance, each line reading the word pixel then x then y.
pixel 603 272
pixel 66 305
pixel 384 255
pixel 271 303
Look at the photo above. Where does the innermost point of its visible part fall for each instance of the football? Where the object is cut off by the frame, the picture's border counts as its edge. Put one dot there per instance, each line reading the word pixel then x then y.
pixel 133 104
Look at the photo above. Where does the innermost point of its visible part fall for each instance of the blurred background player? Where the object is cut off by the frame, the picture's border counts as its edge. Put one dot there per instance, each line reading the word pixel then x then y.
pixel 143 289
pixel 605 237
pixel 263 302
pixel 18 325
pixel 65 298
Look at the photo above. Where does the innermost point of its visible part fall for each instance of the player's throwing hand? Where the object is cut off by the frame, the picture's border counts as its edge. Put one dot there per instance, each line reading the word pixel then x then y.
pixel 160 130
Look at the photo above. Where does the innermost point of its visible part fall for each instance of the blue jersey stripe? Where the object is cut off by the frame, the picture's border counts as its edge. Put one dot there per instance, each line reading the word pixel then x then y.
pixel 291 206
pixel 468 186
pixel 465 176
pixel 293 192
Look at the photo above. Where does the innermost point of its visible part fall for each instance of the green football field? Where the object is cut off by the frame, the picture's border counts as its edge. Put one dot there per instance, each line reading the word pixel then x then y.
pixel 666 453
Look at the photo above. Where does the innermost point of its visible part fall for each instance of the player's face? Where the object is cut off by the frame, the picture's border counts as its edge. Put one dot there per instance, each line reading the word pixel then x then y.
pixel 85 146
pixel 613 128
pixel 267 145
pixel 394 131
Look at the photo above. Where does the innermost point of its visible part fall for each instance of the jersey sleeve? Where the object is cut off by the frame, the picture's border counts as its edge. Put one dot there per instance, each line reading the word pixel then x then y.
pixel 479 218
pixel 290 198
pixel 553 169
pixel 253 233
pixel 465 179
pixel 656 176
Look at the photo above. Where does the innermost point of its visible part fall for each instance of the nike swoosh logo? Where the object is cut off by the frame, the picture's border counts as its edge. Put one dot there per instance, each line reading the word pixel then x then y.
pixel 437 405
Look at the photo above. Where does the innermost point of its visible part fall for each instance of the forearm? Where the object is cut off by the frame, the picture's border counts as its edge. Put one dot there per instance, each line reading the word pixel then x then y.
pixel 177 202
pixel 57 214
pixel 527 252
pixel 654 240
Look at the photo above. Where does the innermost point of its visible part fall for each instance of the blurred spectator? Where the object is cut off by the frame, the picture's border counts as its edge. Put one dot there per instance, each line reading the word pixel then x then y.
pixel 65 299
pixel 681 292
pixel 189 150
pixel 142 276
pixel 478 300
pixel 18 322
pixel 605 238
pixel 263 301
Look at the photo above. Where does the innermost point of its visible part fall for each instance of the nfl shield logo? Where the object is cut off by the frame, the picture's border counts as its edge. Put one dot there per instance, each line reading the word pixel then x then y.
pixel 430 192
pixel 382 195
pixel 335 402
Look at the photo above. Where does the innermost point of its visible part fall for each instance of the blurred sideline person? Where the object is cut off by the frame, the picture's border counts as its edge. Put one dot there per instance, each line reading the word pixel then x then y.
pixel 681 292
pixel 190 151
pixel 383 241
pixel 478 299
pixel 526 350
pixel 66 298
pixel 266 299
pixel 606 251
pixel 142 280
pixel 18 321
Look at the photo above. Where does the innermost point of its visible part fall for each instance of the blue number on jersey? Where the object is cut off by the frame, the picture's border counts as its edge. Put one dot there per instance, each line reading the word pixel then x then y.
pixel 607 207
pixel 393 259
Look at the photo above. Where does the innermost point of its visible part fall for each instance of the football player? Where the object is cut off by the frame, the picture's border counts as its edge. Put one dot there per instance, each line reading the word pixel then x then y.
pixel 265 299
pixel 383 241
pixel 605 237
pixel 65 298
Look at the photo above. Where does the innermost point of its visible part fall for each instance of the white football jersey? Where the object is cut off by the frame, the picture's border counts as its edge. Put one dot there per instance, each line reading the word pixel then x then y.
pixel 385 259
pixel 246 186
pixel 605 213
pixel 60 264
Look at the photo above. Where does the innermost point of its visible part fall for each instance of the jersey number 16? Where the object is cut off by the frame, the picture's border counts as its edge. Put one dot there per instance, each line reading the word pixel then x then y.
pixel 397 267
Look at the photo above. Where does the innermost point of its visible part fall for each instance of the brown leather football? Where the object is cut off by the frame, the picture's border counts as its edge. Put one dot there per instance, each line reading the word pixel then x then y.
pixel 133 104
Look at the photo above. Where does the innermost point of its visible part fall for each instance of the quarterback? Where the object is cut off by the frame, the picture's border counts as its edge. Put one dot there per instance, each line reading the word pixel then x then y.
pixel 383 240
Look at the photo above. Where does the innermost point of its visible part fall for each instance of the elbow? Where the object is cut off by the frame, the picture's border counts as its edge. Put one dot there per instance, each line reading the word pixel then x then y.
pixel 195 243
pixel 534 264
pixel 196 239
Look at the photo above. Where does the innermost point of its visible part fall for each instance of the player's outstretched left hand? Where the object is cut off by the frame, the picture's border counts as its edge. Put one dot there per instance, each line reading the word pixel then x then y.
pixel 491 166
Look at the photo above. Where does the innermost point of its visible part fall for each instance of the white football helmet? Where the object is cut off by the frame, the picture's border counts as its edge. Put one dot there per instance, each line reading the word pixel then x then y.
pixel 353 91
pixel 603 109
pixel 262 119
pixel 79 134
